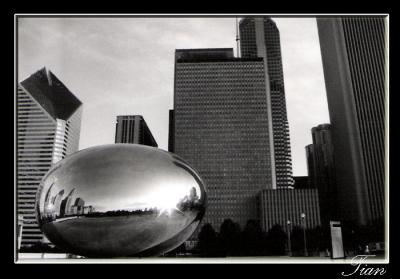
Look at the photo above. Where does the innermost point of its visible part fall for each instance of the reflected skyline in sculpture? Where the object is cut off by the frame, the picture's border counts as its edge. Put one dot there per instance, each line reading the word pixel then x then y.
pixel 120 200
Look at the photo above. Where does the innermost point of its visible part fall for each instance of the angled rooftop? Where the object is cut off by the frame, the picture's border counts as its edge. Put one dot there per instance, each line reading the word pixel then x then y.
pixel 51 94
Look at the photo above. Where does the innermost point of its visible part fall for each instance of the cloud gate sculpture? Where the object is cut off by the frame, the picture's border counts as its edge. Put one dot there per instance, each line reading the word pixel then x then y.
pixel 120 200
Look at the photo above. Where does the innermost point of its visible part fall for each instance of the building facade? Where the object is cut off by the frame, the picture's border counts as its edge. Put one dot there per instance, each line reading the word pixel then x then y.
pixel 354 61
pixel 278 206
pixel 221 129
pixel 321 171
pixel 48 128
pixel 133 129
pixel 259 37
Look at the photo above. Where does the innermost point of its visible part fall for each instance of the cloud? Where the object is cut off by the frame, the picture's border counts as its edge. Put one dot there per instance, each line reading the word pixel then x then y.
pixel 122 66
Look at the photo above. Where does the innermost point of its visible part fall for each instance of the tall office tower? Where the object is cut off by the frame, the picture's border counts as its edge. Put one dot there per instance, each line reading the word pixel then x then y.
pixel 48 128
pixel 133 129
pixel 221 129
pixel 259 37
pixel 321 171
pixel 354 61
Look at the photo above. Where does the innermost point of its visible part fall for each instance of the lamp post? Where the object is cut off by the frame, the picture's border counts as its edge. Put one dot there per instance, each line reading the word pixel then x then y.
pixel 289 241
pixel 303 219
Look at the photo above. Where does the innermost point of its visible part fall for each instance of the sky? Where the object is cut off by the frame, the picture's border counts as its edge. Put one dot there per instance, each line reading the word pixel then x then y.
pixel 125 66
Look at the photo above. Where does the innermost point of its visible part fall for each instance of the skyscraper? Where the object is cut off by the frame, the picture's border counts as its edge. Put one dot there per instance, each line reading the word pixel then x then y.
pixel 259 37
pixel 321 171
pixel 354 62
pixel 133 129
pixel 48 128
pixel 221 129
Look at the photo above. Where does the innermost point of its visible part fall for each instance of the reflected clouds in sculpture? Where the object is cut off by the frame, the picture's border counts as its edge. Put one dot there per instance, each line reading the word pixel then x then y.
pixel 120 200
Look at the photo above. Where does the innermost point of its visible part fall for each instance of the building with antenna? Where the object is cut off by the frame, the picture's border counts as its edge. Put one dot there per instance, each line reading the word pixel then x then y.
pixel 229 121
pixel 237 39
pixel 259 37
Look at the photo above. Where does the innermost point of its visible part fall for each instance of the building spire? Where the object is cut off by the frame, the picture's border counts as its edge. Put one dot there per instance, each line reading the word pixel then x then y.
pixel 237 39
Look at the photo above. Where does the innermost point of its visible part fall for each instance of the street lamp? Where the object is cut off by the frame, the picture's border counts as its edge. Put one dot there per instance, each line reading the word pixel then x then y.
pixel 303 219
pixel 289 242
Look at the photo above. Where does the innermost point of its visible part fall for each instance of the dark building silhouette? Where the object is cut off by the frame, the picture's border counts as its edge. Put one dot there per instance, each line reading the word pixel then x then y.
pixel 259 37
pixel 79 202
pixel 301 182
pixel 321 171
pixel 133 129
pixel 353 56
pixel 221 129
pixel 193 194
pixel 48 128
pixel 277 206
pixel 78 207
pixel 53 203
pixel 171 131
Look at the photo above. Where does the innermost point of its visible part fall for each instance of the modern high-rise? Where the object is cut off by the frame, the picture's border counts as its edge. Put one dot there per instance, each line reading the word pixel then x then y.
pixel 133 129
pixel 48 128
pixel 259 37
pixel 321 171
pixel 354 60
pixel 221 129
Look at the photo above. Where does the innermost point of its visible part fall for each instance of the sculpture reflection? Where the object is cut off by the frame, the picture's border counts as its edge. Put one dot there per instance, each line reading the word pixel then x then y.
pixel 120 200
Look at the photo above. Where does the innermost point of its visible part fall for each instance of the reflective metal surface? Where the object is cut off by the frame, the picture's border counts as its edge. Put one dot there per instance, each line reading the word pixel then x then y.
pixel 120 200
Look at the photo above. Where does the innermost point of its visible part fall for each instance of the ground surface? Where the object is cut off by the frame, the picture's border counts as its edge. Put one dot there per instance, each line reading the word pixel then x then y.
pixel 61 258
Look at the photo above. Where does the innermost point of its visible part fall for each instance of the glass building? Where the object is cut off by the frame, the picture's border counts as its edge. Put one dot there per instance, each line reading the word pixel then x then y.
pixel 259 37
pixel 48 128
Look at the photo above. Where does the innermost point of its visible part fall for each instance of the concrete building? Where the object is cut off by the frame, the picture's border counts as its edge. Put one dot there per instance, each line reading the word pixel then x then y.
pixel 354 61
pixel 321 171
pixel 259 37
pixel 133 129
pixel 221 129
pixel 282 205
pixel 48 127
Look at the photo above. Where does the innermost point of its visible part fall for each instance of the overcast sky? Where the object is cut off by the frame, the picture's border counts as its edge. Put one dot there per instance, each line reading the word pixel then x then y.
pixel 125 66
